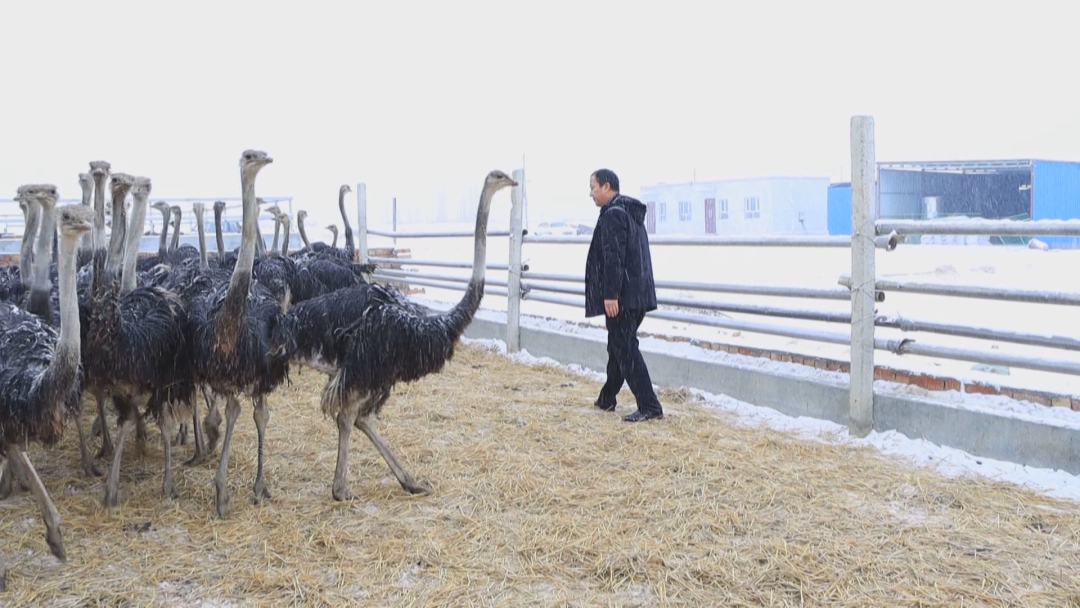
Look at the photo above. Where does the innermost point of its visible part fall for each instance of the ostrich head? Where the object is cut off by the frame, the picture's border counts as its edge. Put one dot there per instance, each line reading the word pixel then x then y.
pixel 219 206
pixel 140 186
pixel 333 229
pixel 251 161
pixel 75 220
pixel 99 168
pixel 301 215
pixel 87 186
pixel 162 207
pixel 198 208
pixel 274 210
pixel 498 180
pixel 344 188
pixel 122 183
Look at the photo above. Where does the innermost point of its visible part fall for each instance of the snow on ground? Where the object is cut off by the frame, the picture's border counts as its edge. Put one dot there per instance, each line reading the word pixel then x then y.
pixel 996 266
pixel 946 460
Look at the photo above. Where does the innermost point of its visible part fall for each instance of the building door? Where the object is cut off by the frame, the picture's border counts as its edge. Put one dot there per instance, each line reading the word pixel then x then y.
pixel 710 216
pixel 650 218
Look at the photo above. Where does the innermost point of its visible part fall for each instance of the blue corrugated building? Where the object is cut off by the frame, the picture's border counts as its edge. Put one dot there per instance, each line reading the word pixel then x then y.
pixel 995 189
pixel 838 204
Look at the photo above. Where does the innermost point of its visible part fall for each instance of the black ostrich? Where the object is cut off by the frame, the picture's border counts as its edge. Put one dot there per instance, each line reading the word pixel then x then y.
pixel 234 327
pixel 369 338
pixel 39 367
pixel 137 352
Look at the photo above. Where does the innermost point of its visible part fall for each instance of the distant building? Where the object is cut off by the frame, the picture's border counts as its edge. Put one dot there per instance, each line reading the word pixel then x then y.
pixel 759 206
pixel 995 189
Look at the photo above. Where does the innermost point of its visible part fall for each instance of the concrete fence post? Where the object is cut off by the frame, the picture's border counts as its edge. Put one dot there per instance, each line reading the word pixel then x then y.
pixel 863 276
pixel 361 221
pixel 513 274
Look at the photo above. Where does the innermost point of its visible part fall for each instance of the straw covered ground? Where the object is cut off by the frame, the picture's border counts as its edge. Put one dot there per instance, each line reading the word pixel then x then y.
pixel 539 499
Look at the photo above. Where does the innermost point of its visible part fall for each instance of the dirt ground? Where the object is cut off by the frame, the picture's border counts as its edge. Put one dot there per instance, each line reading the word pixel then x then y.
pixel 539 499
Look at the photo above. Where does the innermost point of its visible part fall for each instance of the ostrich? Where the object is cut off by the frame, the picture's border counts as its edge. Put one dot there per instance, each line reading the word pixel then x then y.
pixel 235 321
pixel 39 366
pixel 333 230
pixel 145 264
pixel 137 351
pixel 309 247
pixel 369 338
pixel 219 210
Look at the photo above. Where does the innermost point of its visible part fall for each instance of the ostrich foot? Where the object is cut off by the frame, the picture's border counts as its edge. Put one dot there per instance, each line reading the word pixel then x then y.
pixel 95 429
pixel 198 458
pixel 222 499
pixel 168 489
pixel 417 488
pixel 342 493
pixel 261 493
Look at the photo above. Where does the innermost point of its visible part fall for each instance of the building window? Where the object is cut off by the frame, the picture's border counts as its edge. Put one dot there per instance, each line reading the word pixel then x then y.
pixel 684 211
pixel 753 207
pixel 662 214
pixel 722 209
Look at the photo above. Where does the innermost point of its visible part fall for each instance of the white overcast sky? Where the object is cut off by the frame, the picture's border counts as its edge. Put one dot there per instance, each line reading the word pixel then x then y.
pixel 420 99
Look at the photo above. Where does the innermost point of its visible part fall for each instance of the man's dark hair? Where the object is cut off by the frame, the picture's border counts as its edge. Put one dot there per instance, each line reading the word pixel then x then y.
pixel 607 176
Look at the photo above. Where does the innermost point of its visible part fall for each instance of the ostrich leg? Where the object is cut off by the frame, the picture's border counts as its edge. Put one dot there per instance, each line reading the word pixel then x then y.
pixel 345 421
pixel 261 416
pixel 407 482
pixel 168 488
pixel 112 485
pixel 200 442
pixel 107 448
pixel 12 479
pixel 87 463
pixel 232 412
pixel 48 510
pixel 212 423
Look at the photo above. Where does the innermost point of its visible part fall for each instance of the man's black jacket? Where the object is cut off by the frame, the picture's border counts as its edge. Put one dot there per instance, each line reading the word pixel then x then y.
pixel 619 266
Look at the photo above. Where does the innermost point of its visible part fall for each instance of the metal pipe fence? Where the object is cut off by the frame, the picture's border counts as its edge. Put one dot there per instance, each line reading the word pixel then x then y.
pixel 860 288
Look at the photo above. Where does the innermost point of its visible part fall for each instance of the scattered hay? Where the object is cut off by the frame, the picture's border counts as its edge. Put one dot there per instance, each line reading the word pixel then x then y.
pixel 541 499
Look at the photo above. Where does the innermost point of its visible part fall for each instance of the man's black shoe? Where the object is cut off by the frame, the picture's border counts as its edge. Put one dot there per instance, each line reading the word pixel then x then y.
pixel 638 416
pixel 606 408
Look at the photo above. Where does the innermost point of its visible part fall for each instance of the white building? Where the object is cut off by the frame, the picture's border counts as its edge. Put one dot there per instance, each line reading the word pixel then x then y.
pixel 768 205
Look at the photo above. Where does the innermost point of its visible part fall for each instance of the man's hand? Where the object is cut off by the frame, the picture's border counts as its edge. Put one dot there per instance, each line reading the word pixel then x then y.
pixel 612 307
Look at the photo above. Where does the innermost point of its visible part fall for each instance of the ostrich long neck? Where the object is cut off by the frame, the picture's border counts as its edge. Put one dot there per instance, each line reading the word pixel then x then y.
pixel 277 233
pixel 99 210
pixel 203 265
pixel 334 244
pixel 43 251
pixel 349 247
pixel 462 313
pixel 176 228
pixel 164 238
pixel 134 235
pixel 87 240
pixel 245 258
pixel 218 235
pixel 26 253
pixel 116 240
pixel 65 362
pixel 303 233
pixel 284 220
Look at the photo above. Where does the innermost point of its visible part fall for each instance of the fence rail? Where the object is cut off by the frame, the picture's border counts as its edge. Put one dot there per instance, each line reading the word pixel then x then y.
pixel 861 287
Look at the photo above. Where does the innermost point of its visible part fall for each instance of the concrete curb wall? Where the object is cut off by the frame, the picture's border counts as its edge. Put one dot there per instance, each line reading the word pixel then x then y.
pixel 1026 441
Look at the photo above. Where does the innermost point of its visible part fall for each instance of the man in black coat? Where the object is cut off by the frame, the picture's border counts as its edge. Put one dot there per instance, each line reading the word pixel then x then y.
pixel 619 284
